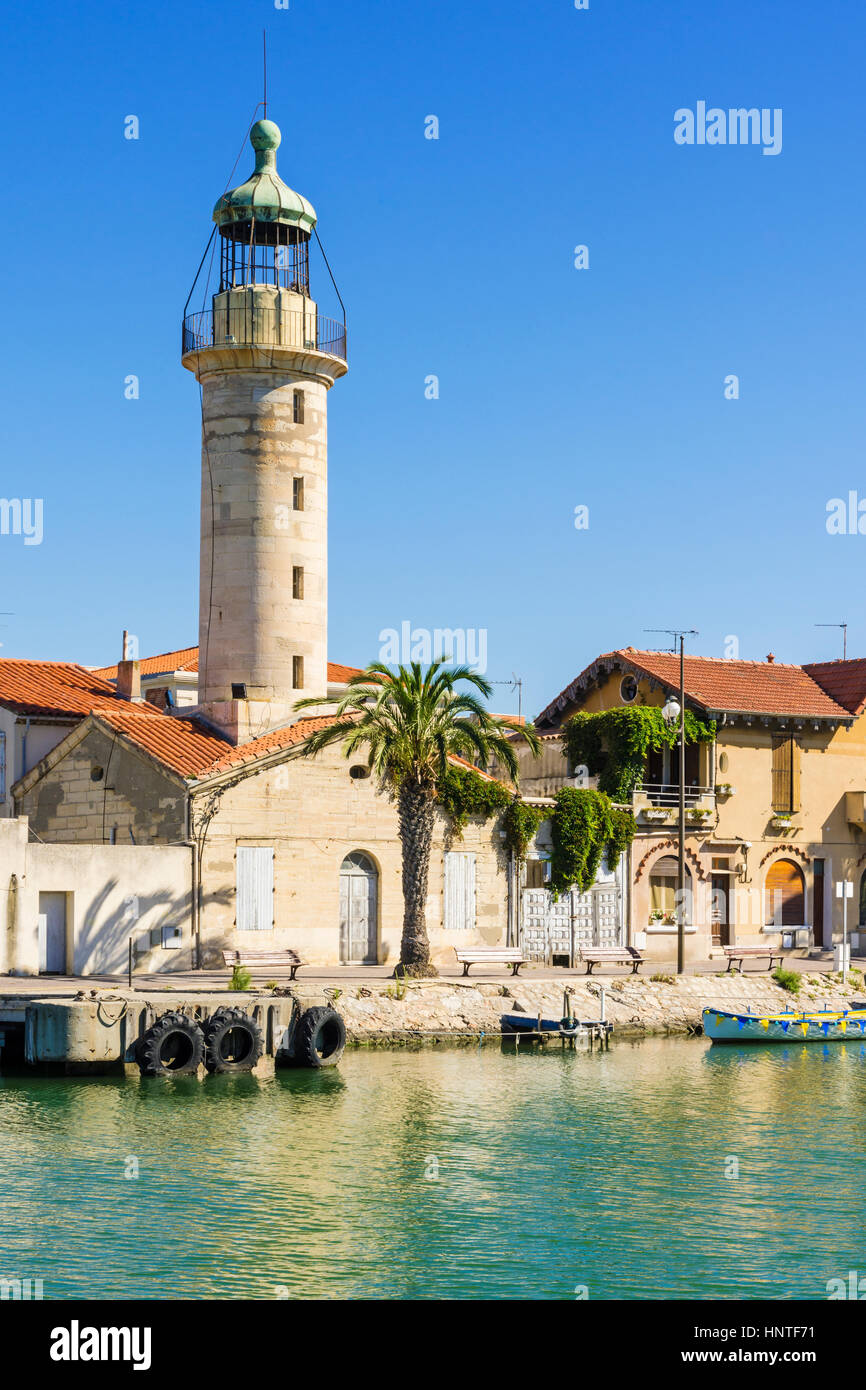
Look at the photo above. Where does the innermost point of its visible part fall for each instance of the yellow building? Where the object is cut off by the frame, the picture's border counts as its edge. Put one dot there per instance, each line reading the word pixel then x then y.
pixel 776 802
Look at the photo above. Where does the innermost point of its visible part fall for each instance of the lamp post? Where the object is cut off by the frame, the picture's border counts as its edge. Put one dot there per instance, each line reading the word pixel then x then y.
pixel 675 710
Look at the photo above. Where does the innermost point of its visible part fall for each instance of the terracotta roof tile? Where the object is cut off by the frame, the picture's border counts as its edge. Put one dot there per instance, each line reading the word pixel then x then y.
pixel 716 683
pixel 844 681
pixel 186 659
pixel 184 745
pixel 51 687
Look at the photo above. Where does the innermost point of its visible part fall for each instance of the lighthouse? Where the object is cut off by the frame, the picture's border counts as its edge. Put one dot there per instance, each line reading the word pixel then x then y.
pixel 265 359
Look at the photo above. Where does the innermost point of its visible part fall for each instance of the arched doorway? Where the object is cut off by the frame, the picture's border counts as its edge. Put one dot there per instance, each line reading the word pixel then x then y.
pixel 359 910
pixel 784 895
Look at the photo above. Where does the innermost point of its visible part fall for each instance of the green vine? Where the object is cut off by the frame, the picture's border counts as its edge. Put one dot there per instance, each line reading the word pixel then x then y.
pixel 584 825
pixel 463 794
pixel 615 743
pixel 521 823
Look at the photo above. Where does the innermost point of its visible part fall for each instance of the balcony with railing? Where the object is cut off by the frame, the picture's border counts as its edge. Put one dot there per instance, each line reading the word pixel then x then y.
pixel 247 322
pixel 657 803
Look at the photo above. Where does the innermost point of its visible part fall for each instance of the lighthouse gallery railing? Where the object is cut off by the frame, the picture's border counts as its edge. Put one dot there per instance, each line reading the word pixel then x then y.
pixel 240 325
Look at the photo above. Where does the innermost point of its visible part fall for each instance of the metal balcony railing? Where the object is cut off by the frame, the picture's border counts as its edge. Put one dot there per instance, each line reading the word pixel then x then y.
pixel 668 793
pixel 252 323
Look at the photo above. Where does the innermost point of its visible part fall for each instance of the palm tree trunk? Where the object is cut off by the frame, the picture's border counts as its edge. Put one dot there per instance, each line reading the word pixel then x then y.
pixel 416 815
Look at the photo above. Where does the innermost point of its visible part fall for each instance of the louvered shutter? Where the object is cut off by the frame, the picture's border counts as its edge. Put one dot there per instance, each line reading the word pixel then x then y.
pixel 255 888
pixel 783 764
pixel 459 891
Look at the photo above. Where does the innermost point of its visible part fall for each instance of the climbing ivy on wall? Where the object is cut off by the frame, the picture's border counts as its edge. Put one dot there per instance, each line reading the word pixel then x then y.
pixel 584 825
pixel 462 793
pixel 615 743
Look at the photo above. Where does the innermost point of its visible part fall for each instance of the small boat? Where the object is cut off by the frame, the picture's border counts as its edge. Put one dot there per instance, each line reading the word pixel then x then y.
pixel 812 1025
pixel 529 1023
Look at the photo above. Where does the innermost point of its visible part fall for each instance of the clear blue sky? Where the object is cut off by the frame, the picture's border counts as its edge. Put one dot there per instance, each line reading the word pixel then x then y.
pixel 559 387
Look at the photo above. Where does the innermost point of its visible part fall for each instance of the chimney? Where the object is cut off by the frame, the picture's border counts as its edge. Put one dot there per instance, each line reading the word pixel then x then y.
pixel 771 657
pixel 129 681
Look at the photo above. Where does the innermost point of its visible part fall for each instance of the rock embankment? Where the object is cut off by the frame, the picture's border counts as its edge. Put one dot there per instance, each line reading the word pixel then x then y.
pixel 427 1010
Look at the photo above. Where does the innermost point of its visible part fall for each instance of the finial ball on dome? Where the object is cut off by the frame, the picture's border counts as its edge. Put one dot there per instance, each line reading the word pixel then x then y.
pixel 265 135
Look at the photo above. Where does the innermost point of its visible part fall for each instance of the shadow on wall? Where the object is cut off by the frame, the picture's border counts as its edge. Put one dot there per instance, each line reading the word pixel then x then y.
pixel 110 918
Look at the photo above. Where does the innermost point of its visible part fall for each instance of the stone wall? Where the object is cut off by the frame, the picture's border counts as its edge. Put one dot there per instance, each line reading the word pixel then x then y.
pixel 134 799
pixel 314 814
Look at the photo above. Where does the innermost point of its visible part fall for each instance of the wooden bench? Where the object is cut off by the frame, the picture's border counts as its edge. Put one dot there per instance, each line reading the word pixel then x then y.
pixel 263 958
pixel 611 955
pixel 491 955
pixel 742 953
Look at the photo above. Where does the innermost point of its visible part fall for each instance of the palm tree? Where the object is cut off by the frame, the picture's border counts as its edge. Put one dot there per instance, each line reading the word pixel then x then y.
pixel 411 721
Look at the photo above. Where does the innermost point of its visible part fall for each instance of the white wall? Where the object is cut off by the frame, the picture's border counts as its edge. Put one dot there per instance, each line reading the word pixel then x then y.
pixel 112 892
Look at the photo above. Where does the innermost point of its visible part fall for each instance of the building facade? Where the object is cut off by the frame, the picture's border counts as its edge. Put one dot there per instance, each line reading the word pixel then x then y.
pixel 775 804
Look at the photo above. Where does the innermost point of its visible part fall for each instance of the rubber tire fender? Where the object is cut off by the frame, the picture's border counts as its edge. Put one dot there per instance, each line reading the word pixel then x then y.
pixel 152 1058
pixel 320 1039
pixel 224 1021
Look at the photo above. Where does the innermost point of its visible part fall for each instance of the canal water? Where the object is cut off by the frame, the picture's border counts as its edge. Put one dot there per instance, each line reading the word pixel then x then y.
pixel 661 1169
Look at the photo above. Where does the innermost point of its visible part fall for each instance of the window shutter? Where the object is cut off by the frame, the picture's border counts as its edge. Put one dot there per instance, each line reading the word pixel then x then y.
pixel 459 891
pixel 783 773
pixel 795 775
pixel 255 888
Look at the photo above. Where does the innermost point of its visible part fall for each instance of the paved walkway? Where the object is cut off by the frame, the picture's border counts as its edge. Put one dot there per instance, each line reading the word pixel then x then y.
pixel 370 974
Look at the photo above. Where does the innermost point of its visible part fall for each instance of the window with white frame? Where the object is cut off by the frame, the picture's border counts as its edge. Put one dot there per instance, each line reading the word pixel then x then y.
pixel 459 891
pixel 2 764
pixel 255 888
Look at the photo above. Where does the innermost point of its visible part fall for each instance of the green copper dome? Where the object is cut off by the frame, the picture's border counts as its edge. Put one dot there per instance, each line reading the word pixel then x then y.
pixel 264 196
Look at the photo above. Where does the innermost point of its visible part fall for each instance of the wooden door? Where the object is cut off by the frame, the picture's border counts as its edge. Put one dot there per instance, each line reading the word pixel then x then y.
pixel 359 896
pixel 52 933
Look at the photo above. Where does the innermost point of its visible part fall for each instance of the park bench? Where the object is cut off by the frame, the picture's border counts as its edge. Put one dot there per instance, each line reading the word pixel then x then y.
pixel 742 953
pixel 491 955
pixel 611 955
pixel 261 959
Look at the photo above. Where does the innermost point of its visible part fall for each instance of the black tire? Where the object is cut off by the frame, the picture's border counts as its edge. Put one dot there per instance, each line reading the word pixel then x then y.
pixel 174 1046
pixel 321 1038
pixel 233 1041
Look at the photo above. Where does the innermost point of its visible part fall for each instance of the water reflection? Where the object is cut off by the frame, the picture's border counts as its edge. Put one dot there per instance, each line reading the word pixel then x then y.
pixel 604 1168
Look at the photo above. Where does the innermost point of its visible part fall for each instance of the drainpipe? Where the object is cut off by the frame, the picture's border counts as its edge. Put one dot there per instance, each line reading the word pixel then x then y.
pixel 195 914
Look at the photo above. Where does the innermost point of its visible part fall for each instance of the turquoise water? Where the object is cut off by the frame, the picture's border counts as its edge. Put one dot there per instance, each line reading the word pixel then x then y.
pixel 555 1171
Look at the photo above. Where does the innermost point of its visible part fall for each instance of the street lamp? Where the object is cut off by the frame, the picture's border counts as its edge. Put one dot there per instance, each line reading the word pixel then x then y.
pixel 674 711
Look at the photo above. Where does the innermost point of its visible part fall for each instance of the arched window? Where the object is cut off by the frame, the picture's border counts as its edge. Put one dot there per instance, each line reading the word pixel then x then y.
pixel 784 895
pixel 663 891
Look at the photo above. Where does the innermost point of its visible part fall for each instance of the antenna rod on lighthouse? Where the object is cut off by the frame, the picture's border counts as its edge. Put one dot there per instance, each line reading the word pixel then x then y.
pixel 265 70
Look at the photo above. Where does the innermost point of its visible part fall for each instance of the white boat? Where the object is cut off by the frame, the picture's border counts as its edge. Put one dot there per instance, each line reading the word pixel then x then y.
pixel 803 1025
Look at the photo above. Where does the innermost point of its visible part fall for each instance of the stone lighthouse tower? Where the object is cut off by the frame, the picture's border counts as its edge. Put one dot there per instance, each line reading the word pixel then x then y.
pixel 265 359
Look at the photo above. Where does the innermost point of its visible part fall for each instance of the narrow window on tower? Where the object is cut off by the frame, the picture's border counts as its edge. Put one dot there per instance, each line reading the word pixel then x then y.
pixel 298 494
pixel 298 672
pixel 298 407
pixel 297 581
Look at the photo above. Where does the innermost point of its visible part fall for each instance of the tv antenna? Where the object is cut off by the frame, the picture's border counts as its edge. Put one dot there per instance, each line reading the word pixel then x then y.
pixel 516 683
pixel 844 627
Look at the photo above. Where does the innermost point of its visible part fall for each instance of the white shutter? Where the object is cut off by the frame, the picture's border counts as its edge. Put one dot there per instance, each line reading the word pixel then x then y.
pixel 459 891
pixel 255 888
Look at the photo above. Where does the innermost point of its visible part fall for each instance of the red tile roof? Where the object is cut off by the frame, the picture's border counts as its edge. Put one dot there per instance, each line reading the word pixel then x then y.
pixel 61 688
pixel 715 683
pixel 192 749
pixel 844 681
pixel 186 659
pixel 184 745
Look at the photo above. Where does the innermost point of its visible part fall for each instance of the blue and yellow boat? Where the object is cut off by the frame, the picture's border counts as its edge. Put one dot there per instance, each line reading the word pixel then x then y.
pixel 812 1025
